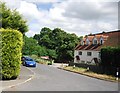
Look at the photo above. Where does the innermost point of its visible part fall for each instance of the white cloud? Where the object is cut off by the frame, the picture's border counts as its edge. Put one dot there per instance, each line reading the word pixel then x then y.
pixel 85 17
pixel 56 14
pixel 30 11
pixel 79 17
pixel 12 4
pixel 104 26
pixel 31 33
pixel 93 0
pixel 90 10
pixel 42 1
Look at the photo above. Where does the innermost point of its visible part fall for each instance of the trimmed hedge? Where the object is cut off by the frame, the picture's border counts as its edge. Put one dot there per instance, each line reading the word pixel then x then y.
pixel 110 56
pixel 12 42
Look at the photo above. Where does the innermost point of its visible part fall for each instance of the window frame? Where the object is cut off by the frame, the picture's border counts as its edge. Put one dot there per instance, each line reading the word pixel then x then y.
pixel 89 53
pixel 82 42
pixel 95 42
pixel 87 41
pixel 101 41
pixel 80 53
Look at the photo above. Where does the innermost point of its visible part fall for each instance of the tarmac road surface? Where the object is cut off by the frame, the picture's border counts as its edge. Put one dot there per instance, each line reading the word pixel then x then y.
pixel 47 78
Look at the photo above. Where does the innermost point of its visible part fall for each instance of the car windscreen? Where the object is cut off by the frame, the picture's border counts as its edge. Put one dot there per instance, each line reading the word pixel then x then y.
pixel 29 59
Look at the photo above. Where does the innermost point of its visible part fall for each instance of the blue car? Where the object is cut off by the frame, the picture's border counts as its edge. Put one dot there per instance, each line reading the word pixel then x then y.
pixel 28 62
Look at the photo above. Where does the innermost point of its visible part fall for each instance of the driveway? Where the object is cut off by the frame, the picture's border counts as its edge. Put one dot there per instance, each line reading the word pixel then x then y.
pixel 47 78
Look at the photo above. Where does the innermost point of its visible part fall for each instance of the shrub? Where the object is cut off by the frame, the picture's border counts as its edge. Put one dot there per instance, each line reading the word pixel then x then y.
pixel 34 57
pixel 110 56
pixel 12 41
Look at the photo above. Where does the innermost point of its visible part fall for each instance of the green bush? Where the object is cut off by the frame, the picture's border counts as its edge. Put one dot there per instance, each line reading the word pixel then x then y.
pixel 34 57
pixel 12 41
pixel 110 56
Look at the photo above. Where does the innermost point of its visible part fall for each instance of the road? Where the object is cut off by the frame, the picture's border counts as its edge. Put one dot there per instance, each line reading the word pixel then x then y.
pixel 48 78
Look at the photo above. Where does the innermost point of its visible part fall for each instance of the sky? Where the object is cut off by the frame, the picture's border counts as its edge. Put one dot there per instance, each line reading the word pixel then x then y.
pixel 81 17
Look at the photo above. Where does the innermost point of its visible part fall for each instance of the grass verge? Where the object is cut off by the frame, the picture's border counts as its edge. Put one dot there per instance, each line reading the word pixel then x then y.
pixel 86 72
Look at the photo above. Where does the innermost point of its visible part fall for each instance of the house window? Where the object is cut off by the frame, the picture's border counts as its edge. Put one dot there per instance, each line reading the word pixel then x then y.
pixel 87 42
pixel 89 53
pixel 95 42
pixel 77 57
pixel 80 53
pixel 101 42
pixel 82 43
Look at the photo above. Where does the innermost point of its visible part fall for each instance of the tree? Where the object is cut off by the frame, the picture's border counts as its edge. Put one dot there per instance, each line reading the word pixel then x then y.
pixel 12 19
pixel 37 37
pixel 45 39
pixel 29 46
pixel 45 31
pixel 66 50
pixel 52 53
pixel 60 44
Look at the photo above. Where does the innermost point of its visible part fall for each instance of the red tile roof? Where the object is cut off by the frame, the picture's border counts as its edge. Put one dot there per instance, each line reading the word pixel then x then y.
pixel 110 39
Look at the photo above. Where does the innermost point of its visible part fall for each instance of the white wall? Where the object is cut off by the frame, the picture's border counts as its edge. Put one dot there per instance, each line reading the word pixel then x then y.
pixel 84 56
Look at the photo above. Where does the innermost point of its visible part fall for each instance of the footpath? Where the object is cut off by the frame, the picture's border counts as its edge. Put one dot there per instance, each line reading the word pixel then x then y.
pixel 25 75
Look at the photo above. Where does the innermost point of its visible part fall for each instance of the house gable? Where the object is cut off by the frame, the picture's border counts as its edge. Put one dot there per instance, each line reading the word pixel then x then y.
pixel 101 41
pixel 95 41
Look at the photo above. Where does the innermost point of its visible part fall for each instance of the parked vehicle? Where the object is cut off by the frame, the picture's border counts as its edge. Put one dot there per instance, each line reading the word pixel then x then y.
pixel 29 62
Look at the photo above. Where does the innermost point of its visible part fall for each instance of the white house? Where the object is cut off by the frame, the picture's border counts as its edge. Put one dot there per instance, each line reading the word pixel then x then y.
pixel 88 50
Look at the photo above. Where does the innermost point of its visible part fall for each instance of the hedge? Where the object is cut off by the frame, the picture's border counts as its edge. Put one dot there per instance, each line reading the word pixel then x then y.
pixel 110 56
pixel 12 42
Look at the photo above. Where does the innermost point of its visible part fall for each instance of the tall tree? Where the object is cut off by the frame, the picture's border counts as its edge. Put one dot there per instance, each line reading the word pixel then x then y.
pixel 29 45
pixel 45 39
pixel 37 37
pixel 12 19
pixel 60 43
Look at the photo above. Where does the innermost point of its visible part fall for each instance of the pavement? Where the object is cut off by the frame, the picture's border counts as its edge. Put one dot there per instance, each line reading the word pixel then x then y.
pixel 57 65
pixel 26 75
pixel 50 78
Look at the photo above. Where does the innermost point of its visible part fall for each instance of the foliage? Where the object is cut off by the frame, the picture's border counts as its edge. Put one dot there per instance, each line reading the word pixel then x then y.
pixel 42 61
pixel 60 44
pixel 37 37
pixel 45 39
pixel 57 44
pixel 12 42
pixel 51 53
pixel 12 19
pixel 110 56
pixel 34 57
pixel 31 47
